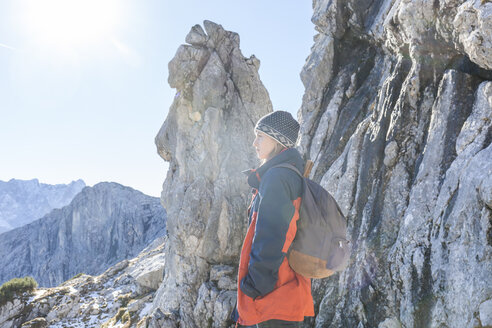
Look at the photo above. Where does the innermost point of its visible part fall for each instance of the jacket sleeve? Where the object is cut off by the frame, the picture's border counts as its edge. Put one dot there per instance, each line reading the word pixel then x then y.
pixel 275 212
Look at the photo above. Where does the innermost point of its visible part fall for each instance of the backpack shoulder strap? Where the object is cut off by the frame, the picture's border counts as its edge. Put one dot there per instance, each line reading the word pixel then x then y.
pixel 289 166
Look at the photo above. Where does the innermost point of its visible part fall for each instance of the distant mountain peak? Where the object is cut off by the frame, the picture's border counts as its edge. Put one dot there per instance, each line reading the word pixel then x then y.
pixel 102 225
pixel 23 201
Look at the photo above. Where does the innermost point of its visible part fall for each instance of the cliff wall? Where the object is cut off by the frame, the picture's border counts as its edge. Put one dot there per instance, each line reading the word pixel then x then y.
pixel 397 117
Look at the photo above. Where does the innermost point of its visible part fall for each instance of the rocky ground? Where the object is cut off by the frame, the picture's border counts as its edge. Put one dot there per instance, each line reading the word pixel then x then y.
pixel 120 297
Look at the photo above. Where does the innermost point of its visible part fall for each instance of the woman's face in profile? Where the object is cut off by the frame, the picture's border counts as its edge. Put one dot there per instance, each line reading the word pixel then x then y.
pixel 263 144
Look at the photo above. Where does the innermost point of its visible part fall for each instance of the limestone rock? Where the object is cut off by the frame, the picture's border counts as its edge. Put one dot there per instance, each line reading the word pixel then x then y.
pixel 398 119
pixel 486 191
pixel 485 310
pixel 197 36
pixel 220 271
pixel 222 308
pixel 148 273
pixel 207 140
pixel 473 23
pixel 390 323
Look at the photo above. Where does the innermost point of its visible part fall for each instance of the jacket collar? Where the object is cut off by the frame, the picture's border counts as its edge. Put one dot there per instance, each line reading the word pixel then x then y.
pixel 290 155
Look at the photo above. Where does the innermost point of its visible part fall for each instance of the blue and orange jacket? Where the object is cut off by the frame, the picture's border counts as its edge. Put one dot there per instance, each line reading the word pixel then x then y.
pixel 267 286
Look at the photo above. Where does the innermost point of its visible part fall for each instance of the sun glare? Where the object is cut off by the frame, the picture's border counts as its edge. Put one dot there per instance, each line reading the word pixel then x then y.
pixel 71 23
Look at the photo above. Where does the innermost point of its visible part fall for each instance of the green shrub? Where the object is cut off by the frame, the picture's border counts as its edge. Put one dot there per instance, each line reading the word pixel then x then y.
pixel 76 276
pixel 16 286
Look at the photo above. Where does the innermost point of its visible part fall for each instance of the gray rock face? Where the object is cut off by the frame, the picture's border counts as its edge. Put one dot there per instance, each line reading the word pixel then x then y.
pixel 397 116
pixel 103 224
pixel 22 202
pixel 207 139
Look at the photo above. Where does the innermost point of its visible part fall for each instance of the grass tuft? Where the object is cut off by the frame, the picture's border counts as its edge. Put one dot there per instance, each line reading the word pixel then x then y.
pixel 16 286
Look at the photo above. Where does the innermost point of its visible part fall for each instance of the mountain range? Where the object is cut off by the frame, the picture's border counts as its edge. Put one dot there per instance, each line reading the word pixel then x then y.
pixel 101 226
pixel 23 201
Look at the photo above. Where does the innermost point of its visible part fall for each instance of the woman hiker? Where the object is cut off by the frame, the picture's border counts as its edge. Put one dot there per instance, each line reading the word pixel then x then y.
pixel 270 293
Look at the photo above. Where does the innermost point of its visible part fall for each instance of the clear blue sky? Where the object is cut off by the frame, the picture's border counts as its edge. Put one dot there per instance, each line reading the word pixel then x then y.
pixel 83 84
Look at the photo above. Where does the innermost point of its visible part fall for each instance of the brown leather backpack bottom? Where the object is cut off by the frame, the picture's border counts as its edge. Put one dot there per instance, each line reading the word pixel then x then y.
pixel 308 266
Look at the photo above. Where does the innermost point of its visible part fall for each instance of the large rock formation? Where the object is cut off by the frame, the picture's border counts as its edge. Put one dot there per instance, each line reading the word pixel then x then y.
pixel 397 115
pixel 22 202
pixel 207 139
pixel 103 225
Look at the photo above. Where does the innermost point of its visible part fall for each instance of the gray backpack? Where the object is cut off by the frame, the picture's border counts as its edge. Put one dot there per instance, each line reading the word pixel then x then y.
pixel 320 247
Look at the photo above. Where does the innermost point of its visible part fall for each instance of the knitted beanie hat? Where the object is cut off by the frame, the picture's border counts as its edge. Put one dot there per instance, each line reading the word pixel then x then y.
pixel 281 126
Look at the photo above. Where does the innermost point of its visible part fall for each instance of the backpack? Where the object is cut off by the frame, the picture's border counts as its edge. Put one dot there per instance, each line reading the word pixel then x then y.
pixel 320 246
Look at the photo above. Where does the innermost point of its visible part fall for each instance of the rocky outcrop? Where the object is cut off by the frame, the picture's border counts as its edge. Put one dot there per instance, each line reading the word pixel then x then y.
pixel 120 297
pixel 207 139
pixel 22 202
pixel 397 115
pixel 103 225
